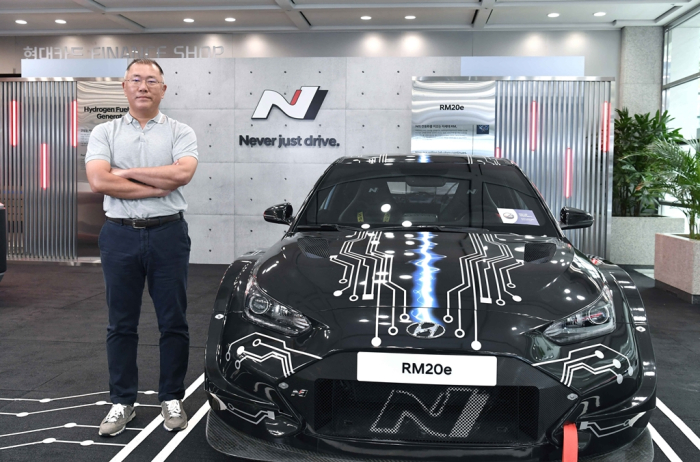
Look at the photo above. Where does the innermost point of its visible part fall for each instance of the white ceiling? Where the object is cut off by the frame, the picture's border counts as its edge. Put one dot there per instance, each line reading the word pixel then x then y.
pixel 166 16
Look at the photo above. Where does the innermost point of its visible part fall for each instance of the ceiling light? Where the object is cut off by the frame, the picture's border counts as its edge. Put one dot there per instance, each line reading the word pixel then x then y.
pixel 553 15
pixel 410 17
pixel 366 18
pixel 600 13
pixel 188 20
pixel 230 19
pixel 60 21
pixel 21 21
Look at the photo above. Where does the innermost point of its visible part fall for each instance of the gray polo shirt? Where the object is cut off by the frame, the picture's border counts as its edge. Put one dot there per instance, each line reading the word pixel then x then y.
pixel 124 144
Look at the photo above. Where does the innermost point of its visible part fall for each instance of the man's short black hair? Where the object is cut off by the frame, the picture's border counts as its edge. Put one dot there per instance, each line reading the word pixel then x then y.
pixel 145 61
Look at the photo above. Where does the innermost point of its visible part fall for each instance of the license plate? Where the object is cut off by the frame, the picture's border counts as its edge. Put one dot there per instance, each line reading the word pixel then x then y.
pixel 426 369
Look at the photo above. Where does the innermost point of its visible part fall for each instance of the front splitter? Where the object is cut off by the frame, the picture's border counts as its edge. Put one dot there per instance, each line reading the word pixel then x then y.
pixel 232 442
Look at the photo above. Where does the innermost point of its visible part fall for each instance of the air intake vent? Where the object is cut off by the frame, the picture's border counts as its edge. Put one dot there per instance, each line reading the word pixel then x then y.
pixel 314 247
pixel 505 415
pixel 539 252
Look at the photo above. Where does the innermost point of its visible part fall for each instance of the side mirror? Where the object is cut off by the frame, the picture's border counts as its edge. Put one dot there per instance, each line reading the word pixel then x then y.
pixel 280 213
pixel 572 218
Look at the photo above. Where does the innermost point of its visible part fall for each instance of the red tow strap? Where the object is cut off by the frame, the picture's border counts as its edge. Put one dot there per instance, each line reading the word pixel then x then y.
pixel 570 452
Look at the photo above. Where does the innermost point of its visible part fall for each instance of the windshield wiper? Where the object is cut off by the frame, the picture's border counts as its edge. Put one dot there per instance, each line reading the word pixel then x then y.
pixel 327 227
pixel 442 228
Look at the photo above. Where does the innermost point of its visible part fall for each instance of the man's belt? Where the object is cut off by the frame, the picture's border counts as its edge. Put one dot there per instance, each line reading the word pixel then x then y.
pixel 141 223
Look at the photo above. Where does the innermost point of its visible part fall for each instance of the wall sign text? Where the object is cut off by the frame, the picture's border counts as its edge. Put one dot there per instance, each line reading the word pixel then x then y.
pixel 284 142
pixel 120 52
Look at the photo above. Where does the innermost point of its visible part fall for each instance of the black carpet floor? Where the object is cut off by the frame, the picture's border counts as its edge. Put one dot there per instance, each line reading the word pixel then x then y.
pixel 52 336
pixel 675 330
pixel 52 346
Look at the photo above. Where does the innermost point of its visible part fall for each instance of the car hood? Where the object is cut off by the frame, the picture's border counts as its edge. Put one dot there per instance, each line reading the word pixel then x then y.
pixel 441 272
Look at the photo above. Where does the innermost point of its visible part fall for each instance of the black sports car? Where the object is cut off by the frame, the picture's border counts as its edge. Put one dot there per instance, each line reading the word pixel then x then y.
pixel 427 308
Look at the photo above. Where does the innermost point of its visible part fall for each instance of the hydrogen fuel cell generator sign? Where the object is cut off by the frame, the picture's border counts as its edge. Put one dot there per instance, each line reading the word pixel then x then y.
pixel 98 102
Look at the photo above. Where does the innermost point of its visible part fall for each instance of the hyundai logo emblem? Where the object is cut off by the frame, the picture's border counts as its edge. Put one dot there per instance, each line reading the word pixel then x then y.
pixel 425 330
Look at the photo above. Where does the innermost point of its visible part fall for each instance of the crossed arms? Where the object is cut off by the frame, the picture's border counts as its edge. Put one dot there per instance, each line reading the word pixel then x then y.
pixel 139 183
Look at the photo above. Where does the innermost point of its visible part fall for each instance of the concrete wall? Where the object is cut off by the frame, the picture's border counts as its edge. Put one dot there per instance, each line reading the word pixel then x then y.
pixel 641 61
pixel 601 49
pixel 367 109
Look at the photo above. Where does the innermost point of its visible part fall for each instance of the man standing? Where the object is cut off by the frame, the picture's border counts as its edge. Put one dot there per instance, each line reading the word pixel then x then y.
pixel 141 162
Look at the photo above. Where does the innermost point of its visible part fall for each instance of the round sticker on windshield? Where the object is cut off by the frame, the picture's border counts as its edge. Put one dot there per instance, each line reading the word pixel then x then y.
pixel 508 215
pixel 517 216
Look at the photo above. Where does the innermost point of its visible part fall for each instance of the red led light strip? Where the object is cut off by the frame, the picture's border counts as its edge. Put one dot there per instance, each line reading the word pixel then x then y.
pixel 606 126
pixel 533 126
pixel 568 174
pixel 44 166
pixel 13 126
pixel 74 128
pixel 497 154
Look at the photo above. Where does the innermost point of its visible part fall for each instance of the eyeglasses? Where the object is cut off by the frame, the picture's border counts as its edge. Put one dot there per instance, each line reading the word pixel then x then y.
pixel 137 82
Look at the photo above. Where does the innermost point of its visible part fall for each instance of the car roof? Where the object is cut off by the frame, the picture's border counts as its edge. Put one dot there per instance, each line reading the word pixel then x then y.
pixel 455 158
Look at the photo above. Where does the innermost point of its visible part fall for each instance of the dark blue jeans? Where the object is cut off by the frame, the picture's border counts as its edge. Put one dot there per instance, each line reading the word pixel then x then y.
pixel 130 257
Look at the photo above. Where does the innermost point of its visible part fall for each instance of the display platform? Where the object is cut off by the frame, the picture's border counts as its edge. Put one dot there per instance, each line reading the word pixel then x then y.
pixel 53 318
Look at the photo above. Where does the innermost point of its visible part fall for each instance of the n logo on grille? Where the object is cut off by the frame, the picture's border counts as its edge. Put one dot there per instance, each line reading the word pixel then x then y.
pixel 305 103
pixel 403 407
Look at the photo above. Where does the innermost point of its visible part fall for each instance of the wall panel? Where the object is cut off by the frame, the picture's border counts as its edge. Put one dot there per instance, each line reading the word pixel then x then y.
pixel 386 83
pixel 38 169
pixel 214 97
pixel 569 161
pixel 286 75
pixel 373 131
pixel 208 84
pixel 211 190
pixel 329 123
pixel 212 238
pixel 259 186
pixel 252 232
pixel 214 129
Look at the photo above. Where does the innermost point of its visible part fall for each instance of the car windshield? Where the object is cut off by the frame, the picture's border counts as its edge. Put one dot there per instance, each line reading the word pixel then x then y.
pixel 411 194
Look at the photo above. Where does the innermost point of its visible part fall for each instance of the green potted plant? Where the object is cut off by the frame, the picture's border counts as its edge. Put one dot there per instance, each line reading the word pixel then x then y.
pixel 636 195
pixel 676 256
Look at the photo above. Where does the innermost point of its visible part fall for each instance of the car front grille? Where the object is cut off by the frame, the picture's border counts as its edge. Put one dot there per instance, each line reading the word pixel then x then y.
pixel 427 413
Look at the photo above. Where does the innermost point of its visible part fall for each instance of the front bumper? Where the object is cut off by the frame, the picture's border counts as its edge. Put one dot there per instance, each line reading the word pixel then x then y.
pixel 230 441
pixel 275 406
pixel 322 409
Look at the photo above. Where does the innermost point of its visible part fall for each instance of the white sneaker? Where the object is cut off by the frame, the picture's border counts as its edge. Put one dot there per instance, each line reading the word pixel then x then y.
pixel 174 417
pixel 116 419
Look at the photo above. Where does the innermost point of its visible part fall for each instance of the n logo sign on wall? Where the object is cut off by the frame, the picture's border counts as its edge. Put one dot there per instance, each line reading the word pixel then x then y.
pixel 304 105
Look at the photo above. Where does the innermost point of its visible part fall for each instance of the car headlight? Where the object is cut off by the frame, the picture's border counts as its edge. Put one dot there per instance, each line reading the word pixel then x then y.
pixel 596 319
pixel 264 310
